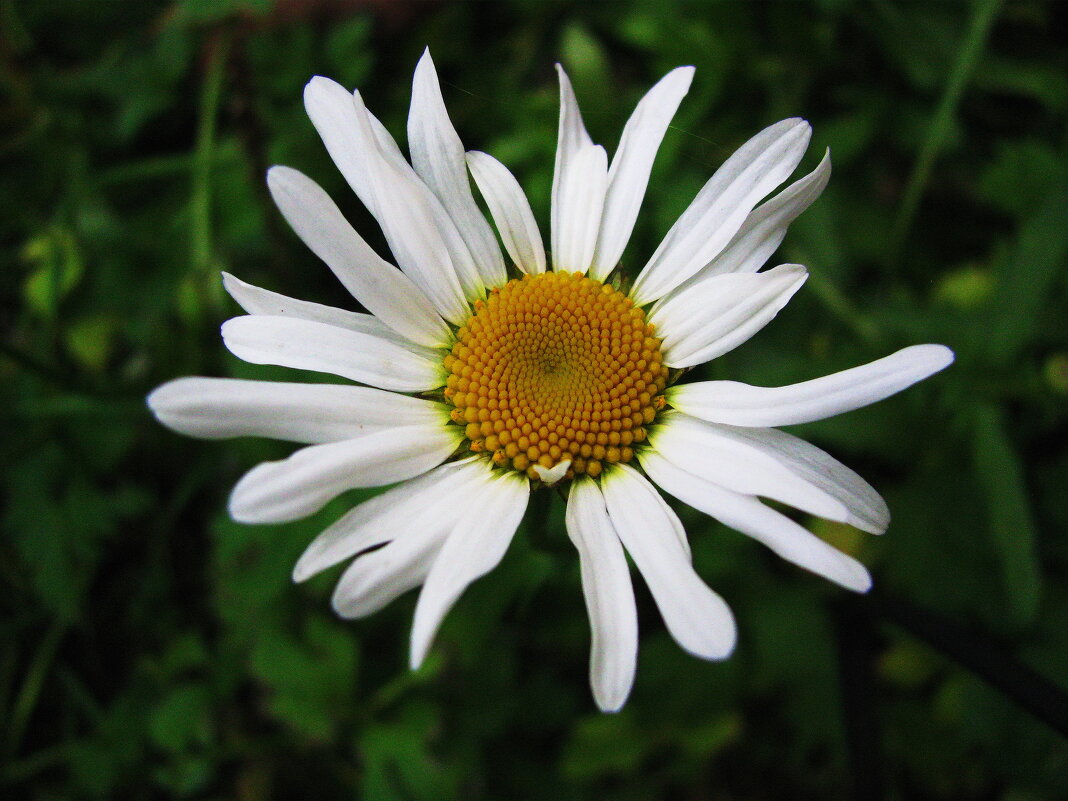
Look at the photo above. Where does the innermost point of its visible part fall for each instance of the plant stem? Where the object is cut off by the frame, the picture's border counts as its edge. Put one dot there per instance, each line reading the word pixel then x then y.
pixel 984 12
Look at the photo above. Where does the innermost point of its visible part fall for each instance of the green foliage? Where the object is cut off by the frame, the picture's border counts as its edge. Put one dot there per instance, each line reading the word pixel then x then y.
pixel 152 648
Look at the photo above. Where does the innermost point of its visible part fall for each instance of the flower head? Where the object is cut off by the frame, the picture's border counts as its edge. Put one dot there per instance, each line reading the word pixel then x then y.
pixel 479 381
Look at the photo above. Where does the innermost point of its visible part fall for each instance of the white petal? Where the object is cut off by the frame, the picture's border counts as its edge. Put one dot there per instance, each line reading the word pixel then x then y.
pixel 459 254
pixel 744 405
pixel 474 547
pixel 717 454
pixel 631 164
pixel 387 145
pixel 748 515
pixel 438 158
pixel 215 408
pixel 609 596
pixel 766 225
pixel 307 345
pixel 275 492
pixel 256 300
pixel 511 211
pixel 571 137
pixel 722 205
pixel 391 191
pixel 579 205
pixel 867 509
pixel 716 315
pixel 411 506
pixel 551 475
pixel 383 289
pixel 419 231
pixel 333 113
pixel 375 579
pixel 456 251
pixel 697 617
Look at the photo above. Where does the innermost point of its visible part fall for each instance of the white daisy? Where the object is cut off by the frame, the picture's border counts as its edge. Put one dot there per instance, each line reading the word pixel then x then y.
pixel 488 379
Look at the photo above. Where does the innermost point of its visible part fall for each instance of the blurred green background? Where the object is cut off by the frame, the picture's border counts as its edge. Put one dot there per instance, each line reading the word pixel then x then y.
pixel 151 648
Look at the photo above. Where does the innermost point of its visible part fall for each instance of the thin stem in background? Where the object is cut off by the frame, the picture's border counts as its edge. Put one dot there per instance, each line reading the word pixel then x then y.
pixel 984 13
pixel 980 654
pixel 201 248
pixel 30 691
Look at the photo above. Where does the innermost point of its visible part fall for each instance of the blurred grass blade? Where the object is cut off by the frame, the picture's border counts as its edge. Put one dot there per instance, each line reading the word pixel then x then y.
pixel 30 693
pixel 984 12
pixel 841 307
pixel 147 169
pixel 1001 476
pixel 1025 277
pixel 200 203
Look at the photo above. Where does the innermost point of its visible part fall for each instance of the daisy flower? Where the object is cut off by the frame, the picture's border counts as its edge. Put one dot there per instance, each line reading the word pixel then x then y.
pixel 481 380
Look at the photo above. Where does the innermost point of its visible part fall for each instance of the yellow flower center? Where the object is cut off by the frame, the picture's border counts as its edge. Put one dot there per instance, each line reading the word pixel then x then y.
pixel 553 367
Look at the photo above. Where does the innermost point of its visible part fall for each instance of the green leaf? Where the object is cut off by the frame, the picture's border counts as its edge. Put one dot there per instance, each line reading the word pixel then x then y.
pixel 397 760
pixel 348 48
pixel 968 287
pixel 1027 275
pixel 587 65
pixel 1020 175
pixel 309 682
pixel 91 341
pixel 58 267
pixel 57 521
pixel 200 12
pixel 181 721
pixel 1000 473
pixel 605 745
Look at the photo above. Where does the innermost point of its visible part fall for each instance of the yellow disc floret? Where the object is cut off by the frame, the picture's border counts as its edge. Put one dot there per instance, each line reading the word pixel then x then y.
pixel 555 367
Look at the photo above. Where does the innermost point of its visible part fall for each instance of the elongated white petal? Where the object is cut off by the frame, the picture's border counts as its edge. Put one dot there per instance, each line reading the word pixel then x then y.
pixel 697 617
pixel 765 227
pixel 571 137
pixel 375 579
pixel 717 454
pixel 748 515
pixel 423 501
pixel 438 158
pixel 631 165
pixel 456 251
pixel 744 405
pixel 383 289
pixel 867 509
pixel 511 211
pixel 609 596
pixel 716 315
pixel 256 300
pixel 393 193
pixel 331 109
pixel 387 145
pixel 215 408
pixel 474 547
pixel 275 492
pixel 307 345
pixel 722 205
pixel 419 231
pixel 461 258
pixel 579 206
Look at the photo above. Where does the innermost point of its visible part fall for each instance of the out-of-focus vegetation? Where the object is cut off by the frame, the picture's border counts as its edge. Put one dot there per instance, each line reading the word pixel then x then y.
pixel 151 648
